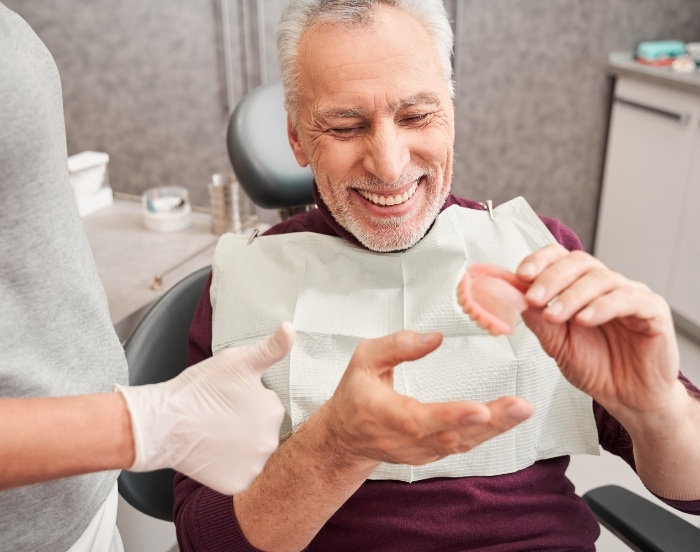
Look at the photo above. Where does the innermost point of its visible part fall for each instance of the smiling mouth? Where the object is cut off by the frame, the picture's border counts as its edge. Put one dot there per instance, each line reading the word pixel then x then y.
pixel 397 199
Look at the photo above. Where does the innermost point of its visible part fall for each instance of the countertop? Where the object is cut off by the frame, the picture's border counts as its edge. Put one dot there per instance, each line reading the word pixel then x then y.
pixel 622 64
pixel 128 257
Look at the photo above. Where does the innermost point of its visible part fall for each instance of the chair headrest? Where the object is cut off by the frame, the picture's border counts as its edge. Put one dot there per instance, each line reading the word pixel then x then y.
pixel 260 153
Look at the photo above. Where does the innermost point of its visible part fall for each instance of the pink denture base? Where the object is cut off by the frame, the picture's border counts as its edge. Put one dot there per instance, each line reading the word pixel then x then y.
pixel 493 297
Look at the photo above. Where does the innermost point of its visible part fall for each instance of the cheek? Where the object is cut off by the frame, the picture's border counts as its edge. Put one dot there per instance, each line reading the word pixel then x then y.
pixel 434 152
pixel 434 144
pixel 336 160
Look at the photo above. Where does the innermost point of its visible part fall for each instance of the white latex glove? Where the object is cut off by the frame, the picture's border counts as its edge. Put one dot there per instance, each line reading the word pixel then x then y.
pixel 215 422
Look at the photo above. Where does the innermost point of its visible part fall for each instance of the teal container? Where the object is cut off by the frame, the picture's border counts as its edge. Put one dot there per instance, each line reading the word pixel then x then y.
pixel 660 49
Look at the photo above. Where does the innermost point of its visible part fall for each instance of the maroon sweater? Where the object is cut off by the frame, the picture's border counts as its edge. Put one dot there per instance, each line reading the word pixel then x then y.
pixel 533 509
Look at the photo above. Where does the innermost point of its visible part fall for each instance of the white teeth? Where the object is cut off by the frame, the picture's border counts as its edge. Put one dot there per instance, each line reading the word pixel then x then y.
pixel 390 200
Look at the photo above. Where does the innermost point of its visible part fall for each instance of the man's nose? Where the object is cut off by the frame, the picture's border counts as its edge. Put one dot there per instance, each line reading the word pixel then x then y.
pixel 387 153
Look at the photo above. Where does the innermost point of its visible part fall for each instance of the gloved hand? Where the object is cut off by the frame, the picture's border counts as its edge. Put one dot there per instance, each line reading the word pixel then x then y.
pixel 215 422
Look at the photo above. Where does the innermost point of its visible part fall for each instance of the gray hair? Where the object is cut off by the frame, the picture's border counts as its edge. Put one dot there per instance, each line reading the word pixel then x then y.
pixel 300 15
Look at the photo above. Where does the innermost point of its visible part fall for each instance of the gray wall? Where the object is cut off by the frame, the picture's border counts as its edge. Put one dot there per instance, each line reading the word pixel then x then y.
pixel 142 81
pixel 533 105
pixel 145 81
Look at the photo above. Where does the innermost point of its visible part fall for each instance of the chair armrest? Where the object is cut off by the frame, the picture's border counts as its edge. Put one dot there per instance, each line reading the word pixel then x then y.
pixel 641 524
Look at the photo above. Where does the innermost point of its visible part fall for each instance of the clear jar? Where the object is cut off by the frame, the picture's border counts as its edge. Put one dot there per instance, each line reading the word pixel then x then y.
pixel 231 210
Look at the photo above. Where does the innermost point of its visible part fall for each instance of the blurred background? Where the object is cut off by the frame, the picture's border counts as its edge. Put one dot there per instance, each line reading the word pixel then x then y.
pixel 152 84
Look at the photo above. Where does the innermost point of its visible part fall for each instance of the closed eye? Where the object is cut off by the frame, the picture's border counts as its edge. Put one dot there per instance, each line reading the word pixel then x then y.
pixel 346 132
pixel 416 119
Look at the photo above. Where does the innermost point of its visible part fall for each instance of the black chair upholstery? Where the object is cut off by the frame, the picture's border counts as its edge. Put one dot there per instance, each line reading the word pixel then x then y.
pixel 641 524
pixel 260 153
pixel 157 351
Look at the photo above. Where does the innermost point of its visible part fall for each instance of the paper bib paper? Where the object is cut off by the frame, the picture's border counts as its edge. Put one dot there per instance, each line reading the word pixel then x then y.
pixel 337 294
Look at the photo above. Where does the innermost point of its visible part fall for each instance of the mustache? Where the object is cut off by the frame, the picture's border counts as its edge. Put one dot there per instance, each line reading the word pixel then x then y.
pixel 377 185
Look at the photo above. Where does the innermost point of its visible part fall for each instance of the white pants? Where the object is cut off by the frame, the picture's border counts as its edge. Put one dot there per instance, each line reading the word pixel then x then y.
pixel 102 534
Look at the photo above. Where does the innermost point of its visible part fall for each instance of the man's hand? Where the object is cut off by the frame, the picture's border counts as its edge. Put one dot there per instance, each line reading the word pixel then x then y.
pixel 611 337
pixel 214 422
pixel 369 421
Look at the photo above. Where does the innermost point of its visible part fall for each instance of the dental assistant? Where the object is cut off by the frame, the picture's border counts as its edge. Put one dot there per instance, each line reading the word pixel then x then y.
pixel 60 358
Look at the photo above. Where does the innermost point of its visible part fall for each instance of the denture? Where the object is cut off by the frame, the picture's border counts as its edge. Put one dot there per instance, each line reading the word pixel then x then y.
pixel 493 297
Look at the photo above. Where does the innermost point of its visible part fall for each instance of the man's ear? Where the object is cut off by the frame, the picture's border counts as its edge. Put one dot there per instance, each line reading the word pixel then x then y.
pixel 294 141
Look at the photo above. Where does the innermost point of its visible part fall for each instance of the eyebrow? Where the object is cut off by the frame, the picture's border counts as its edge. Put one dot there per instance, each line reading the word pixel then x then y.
pixel 339 112
pixel 422 98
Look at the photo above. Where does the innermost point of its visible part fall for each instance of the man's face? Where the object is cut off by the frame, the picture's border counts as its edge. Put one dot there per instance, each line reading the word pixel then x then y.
pixel 376 124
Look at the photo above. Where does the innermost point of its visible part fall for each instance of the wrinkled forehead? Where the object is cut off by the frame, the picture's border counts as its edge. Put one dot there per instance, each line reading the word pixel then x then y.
pixel 389 57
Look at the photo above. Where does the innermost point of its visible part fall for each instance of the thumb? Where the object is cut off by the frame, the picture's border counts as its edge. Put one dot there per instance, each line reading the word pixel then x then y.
pixel 551 335
pixel 263 354
pixel 382 354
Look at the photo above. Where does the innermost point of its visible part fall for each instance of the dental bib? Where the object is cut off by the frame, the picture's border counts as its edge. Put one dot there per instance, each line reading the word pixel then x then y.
pixel 337 294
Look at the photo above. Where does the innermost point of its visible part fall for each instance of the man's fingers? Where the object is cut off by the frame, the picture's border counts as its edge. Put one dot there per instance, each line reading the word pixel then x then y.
pixel 475 428
pixel 383 353
pixel 631 301
pixel 500 415
pixel 263 354
pixel 507 412
pixel 581 293
pixel 532 265
pixel 562 274
pixel 449 416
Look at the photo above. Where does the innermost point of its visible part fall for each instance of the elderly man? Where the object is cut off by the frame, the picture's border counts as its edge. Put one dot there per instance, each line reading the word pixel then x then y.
pixel 368 93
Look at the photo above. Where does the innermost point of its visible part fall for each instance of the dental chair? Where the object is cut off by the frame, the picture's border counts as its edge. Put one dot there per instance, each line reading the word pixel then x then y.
pixel 261 156
pixel 157 351
pixel 641 524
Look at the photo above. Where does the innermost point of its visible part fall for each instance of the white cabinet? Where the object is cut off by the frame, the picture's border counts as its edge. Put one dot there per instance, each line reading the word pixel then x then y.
pixel 684 285
pixel 649 219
